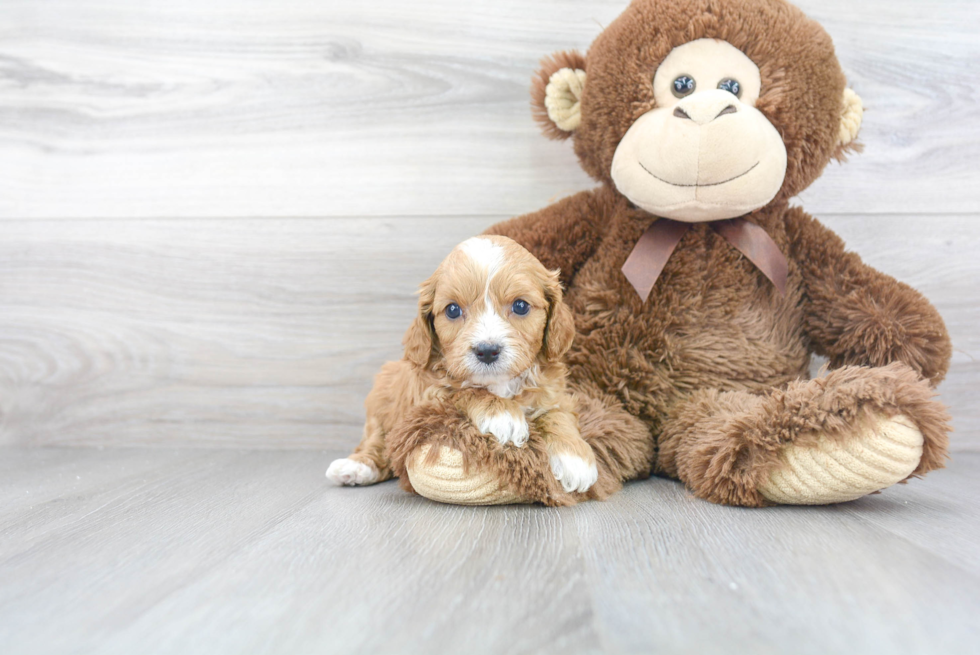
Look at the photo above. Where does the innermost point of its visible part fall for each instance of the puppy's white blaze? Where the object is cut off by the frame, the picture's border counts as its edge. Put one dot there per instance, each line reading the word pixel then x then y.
pixel 484 252
pixel 491 328
pixel 574 473
pixel 347 472
pixel 487 255
pixel 506 427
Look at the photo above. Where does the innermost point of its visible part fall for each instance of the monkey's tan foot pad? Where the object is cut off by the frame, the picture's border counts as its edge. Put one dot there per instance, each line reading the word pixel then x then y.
pixel 834 470
pixel 445 480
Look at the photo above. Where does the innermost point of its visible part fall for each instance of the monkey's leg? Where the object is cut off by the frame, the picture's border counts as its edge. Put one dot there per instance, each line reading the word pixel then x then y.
pixel 828 440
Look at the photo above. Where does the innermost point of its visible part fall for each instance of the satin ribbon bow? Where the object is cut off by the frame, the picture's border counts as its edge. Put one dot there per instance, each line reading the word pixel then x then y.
pixel 651 252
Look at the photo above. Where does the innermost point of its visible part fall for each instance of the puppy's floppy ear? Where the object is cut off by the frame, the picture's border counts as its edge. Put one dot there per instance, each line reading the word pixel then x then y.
pixel 560 329
pixel 421 344
pixel 556 94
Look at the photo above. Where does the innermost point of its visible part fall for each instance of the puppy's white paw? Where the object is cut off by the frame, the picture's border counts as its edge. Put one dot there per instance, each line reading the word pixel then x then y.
pixel 574 473
pixel 506 427
pixel 350 473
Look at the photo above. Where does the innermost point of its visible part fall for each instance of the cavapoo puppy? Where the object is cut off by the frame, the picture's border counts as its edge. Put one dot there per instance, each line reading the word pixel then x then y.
pixel 490 334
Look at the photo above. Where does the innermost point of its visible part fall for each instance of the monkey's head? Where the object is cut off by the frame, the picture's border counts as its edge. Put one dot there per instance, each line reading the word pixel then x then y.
pixel 700 110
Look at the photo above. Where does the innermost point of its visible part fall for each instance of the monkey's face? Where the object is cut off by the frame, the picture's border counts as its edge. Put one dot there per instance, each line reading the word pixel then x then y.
pixel 705 152
pixel 701 111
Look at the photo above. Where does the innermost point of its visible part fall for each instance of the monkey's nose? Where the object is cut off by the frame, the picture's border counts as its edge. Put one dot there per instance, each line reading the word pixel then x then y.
pixel 487 352
pixel 704 107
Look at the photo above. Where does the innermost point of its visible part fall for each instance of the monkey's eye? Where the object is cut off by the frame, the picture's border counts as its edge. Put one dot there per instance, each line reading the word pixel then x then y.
pixel 520 307
pixel 453 311
pixel 683 86
pixel 731 85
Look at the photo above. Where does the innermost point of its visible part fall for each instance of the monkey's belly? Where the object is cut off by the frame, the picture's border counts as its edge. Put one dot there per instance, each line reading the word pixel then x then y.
pixel 651 369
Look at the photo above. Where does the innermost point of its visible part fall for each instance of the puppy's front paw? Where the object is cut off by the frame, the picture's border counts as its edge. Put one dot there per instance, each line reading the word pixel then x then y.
pixel 506 427
pixel 574 473
pixel 351 473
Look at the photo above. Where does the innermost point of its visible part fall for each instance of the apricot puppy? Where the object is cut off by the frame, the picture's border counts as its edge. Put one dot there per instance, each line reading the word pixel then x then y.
pixel 489 336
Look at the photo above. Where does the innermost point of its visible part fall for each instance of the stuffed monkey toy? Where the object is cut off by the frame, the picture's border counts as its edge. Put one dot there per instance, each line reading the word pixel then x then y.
pixel 699 293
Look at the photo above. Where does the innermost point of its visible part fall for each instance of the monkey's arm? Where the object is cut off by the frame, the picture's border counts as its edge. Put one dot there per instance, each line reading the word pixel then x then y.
pixel 563 235
pixel 857 315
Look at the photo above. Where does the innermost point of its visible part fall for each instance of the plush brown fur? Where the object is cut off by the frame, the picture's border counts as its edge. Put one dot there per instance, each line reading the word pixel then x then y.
pixel 706 379
pixel 725 443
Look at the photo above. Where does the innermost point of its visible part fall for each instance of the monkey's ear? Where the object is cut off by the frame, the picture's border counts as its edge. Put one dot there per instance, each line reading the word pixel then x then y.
pixel 560 329
pixel 420 341
pixel 852 111
pixel 556 93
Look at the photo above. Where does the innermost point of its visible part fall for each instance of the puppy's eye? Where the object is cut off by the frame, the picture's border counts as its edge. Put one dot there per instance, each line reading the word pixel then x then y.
pixel 520 307
pixel 683 86
pixel 453 311
pixel 731 85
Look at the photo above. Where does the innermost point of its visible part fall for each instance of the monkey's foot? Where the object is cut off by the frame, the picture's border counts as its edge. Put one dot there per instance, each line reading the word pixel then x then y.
pixel 445 480
pixel 883 452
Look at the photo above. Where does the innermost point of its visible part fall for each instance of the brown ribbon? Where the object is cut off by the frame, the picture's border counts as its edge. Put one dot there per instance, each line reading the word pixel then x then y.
pixel 651 252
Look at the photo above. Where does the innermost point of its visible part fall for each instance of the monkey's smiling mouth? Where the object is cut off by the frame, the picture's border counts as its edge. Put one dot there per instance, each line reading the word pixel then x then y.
pixel 700 186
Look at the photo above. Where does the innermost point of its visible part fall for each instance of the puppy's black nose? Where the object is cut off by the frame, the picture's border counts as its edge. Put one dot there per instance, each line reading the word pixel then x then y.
pixel 487 352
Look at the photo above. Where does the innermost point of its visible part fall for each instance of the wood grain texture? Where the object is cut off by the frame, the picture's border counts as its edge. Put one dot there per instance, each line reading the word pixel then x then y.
pixel 227 108
pixel 240 332
pixel 268 333
pixel 234 551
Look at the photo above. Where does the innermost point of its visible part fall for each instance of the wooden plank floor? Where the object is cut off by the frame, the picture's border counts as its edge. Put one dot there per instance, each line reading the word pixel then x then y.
pixel 241 551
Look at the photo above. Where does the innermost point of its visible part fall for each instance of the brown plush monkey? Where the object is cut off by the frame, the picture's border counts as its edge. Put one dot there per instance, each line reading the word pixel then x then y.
pixel 698 293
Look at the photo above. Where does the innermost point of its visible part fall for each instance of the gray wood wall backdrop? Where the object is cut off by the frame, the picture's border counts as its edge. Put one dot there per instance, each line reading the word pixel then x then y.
pixel 214 213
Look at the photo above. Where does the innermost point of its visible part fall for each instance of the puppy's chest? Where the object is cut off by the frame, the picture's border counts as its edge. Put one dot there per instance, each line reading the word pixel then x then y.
pixel 534 403
pixel 507 419
pixel 530 403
